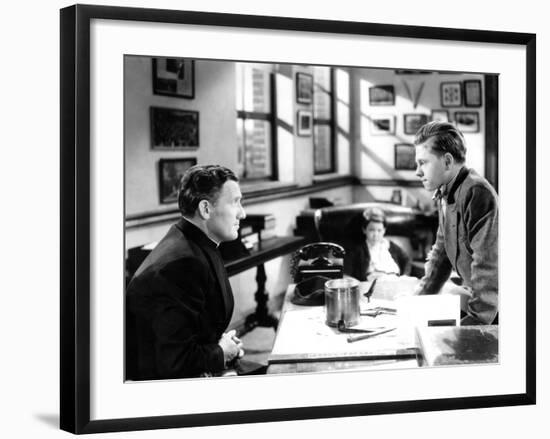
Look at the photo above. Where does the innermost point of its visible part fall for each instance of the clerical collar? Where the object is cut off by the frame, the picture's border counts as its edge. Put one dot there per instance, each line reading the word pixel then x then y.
pixel 196 233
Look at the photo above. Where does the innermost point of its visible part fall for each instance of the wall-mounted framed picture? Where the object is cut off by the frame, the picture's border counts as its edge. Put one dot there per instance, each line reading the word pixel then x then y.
pixel 304 88
pixel 304 123
pixel 170 173
pixel 381 124
pixel 467 121
pixel 382 95
pixel 404 157
pixel 174 129
pixel 472 93
pixel 439 116
pixel 174 77
pixel 451 94
pixel 412 122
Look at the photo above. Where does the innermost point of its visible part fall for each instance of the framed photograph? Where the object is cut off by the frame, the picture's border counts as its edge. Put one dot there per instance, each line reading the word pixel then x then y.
pixel 94 394
pixel 472 93
pixel 304 122
pixel 382 124
pixel 174 129
pixel 170 173
pixel 467 121
pixel 174 77
pixel 440 116
pixel 304 88
pixel 451 94
pixel 404 157
pixel 382 95
pixel 412 122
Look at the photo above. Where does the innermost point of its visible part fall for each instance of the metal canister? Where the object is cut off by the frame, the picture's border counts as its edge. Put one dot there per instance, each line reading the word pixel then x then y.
pixel 342 302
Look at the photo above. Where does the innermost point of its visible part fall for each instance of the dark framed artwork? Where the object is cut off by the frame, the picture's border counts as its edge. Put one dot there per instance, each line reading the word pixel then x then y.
pixel 174 77
pixel 467 121
pixel 304 123
pixel 381 124
pixel 382 95
pixel 404 157
pixel 172 128
pixel 439 115
pixel 170 173
pixel 472 93
pixel 412 122
pixel 451 94
pixel 94 397
pixel 304 88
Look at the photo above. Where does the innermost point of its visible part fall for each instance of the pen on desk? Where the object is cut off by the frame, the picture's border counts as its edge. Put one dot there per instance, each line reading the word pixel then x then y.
pixel 352 338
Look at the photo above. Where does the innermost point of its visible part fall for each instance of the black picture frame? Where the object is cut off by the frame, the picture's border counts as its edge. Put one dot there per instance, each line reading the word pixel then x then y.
pixel 451 94
pixel 304 88
pixel 174 77
pixel 467 121
pixel 304 123
pixel 382 95
pixel 413 121
pixel 170 173
pixel 472 93
pixel 174 128
pixel 404 157
pixel 76 209
pixel 382 124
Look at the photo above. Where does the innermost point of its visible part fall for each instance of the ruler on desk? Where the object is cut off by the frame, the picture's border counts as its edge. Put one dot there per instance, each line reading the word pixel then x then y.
pixel 406 353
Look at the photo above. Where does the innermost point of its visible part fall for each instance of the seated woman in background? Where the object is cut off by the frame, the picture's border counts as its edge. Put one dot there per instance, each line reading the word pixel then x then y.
pixel 375 256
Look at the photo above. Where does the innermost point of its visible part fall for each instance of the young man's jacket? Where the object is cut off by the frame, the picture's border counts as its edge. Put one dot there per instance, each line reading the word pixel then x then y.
pixel 467 242
pixel 182 302
pixel 357 260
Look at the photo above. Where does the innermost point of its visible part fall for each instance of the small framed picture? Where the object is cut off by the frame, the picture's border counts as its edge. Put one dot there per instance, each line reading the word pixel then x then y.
pixel 304 88
pixel 413 122
pixel 382 95
pixel 404 157
pixel 451 94
pixel 467 121
pixel 304 122
pixel 170 173
pixel 382 124
pixel 174 77
pixel 472 93
pixel 174 129
pixel 439 116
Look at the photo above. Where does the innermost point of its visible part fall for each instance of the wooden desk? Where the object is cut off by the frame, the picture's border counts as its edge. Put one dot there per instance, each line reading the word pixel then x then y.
pixel 398 355
pixel 413 347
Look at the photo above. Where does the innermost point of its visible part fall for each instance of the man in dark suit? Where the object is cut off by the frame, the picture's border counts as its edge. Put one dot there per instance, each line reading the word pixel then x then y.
pixel 180 295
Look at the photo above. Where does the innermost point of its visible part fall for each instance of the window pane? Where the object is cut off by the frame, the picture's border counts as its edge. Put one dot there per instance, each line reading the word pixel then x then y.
pixel 254 137
pixel 322 93
pixel 322 150
pixel 252 92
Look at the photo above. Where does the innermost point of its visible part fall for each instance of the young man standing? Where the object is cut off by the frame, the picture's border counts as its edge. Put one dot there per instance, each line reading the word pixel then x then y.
pixel 467 236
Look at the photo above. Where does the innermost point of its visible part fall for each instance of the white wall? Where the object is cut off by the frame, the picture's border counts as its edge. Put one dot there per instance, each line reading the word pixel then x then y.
pixel 215 102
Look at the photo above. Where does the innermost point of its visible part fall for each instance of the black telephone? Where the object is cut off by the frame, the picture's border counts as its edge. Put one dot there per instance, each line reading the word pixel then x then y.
pixel 320 259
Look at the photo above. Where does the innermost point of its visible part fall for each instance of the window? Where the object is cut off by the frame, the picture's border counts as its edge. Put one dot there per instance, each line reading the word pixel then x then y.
pixel 255 121
pixel 323 120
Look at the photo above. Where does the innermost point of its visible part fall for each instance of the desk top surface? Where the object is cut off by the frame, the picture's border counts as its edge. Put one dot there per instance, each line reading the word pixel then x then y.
pixel 304 343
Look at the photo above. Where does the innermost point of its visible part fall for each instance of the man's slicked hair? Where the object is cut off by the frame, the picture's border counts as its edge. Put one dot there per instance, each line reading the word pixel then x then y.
pixel 446 138
pixel 202 182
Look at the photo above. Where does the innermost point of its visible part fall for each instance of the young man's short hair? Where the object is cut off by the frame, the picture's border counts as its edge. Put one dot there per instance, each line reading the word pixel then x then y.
pixel 202 182
pixel 446 139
